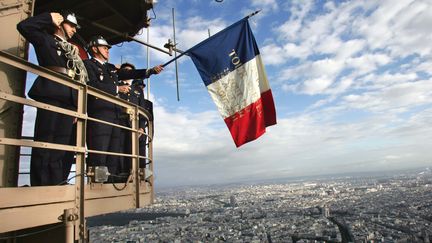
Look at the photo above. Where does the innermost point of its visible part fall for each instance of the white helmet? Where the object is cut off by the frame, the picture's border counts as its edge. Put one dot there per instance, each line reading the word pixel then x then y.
pixel 98 41
pixel 70 18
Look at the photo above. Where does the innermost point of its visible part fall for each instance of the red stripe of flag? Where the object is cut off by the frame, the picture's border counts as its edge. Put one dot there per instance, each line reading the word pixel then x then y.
pixel 251 122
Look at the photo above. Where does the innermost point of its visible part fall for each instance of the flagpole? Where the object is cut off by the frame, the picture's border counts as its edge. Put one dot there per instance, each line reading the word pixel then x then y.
pixel 175 58
pixel 252 14
pixel 185 52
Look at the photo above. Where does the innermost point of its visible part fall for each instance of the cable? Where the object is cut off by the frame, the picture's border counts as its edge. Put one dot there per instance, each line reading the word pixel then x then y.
pixel 149 182
pixel 119 189
pixel 69 179
pixel 153 14
pixel 120 176
pixel 32 233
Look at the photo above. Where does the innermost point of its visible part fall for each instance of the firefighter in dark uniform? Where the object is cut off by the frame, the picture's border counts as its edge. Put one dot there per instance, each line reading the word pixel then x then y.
pixel 105 76
pixel 148 106
pixel 49 32
pixel 135 96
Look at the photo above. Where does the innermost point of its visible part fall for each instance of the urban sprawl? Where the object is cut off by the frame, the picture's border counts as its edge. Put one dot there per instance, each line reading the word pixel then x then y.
pixel 396 208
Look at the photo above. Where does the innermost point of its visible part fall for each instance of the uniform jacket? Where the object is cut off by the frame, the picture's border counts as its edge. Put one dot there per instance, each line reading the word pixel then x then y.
pixel 135 96
pixel 37 30
pixel 106 77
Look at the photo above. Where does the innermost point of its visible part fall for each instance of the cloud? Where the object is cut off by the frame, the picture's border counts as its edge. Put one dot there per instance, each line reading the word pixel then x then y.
pixel 28 121
pixel 189 32
pixel 336 49
pixel 398 97
pixel 273 54
pixel 386 79
pixel 265 4
pixel 349 48
pixel 398 27
pixel 312 143
pixel 329 45
pixel 183 131
pixel 365 70
pixel 315 86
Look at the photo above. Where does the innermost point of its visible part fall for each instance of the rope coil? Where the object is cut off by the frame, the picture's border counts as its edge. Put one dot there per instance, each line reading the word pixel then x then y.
pixel 74 61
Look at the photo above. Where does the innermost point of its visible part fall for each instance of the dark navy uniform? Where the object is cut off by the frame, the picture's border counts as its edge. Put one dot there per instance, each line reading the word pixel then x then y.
pixel 148 106
pixel 100 136
pixel 135 96
pixel 46 165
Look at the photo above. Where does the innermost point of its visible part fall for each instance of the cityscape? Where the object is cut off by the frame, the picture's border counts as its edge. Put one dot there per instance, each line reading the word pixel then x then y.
pixel 362 208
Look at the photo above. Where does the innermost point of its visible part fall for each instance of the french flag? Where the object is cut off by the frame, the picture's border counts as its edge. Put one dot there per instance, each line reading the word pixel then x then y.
pixel 230 65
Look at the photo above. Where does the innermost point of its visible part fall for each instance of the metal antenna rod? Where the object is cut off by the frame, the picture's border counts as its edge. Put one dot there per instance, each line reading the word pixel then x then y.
pixel 124 35
pixel 175 54
pixel 148 62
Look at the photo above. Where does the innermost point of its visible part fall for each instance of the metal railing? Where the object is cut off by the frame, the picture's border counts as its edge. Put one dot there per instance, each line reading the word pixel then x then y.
pixel 25 207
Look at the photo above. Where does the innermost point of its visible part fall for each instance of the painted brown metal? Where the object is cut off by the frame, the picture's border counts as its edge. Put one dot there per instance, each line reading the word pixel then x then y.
pixel 12 81
pixel 125 17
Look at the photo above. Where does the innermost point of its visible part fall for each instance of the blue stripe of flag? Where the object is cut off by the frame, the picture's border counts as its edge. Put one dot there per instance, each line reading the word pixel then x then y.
pixel 212 56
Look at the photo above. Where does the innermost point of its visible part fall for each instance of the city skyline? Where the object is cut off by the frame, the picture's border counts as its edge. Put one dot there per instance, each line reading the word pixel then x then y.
pixel 393 208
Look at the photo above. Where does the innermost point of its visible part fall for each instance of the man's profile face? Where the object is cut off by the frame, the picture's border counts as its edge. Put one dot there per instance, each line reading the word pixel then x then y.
pixel 70 29
pixel 101 52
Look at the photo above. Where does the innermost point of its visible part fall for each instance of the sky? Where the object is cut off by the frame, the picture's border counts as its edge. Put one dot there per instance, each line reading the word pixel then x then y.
pixel 351 80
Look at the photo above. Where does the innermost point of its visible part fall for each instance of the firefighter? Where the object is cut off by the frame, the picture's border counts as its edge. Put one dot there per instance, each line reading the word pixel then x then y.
pixel 135 96
pixel 49 33
pixel 105 76
pixel 148 106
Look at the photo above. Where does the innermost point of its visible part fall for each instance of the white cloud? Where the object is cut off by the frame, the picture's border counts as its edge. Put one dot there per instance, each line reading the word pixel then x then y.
pixel 182 131
pixel 28 121
pixel 291 50
pixel 424 66
pixel 351 40
pixel 189 32
pixel 273 54
pixel 367 63
pixel 399 27
pixel 341 86
pixel 291 28
pixel 350 48
pixel 265 4
pixel 398 97
pixel 310 145
pixel 330 44
pixel 315 86
pixel 386 79
pixel 366 97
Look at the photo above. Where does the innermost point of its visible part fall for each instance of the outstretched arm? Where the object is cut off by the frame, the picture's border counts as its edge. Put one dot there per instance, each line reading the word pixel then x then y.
pixel 124 74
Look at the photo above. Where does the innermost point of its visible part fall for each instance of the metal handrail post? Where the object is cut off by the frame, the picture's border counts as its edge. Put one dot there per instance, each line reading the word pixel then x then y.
pixel 150 156
pixel 81 127
pixel 135 159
